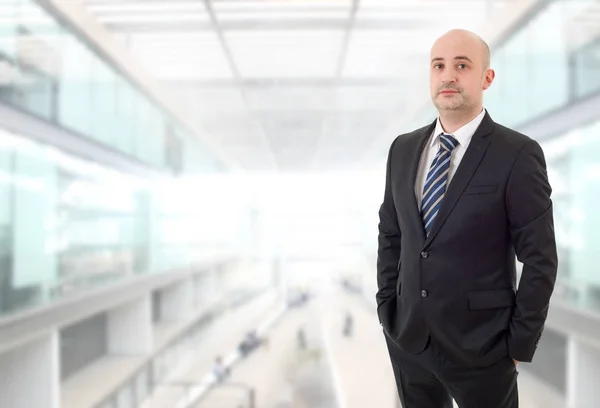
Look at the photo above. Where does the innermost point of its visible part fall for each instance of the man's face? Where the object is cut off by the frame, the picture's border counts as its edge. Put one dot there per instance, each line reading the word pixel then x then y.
pixel 457 75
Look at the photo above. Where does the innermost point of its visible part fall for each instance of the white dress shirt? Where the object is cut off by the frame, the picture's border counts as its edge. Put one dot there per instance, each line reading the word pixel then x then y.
pixel 462 135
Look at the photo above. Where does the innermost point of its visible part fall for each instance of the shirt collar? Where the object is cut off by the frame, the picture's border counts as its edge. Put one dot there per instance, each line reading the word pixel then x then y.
pixel 462 135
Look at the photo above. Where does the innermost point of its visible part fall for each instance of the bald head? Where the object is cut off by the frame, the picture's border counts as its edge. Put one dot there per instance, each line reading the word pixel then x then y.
pixel 467 40
pixel 460 72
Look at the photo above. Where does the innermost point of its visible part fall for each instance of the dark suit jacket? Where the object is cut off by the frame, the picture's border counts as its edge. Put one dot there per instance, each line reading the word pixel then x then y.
pixel 459 284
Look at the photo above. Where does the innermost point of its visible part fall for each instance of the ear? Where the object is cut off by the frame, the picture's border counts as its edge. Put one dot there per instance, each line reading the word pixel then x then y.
pixel 488 78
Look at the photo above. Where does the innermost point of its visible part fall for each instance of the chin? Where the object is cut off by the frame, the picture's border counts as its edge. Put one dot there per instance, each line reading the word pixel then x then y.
pixel 450 105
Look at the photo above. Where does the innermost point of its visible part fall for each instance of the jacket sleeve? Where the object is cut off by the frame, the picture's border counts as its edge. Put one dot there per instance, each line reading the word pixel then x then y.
pixel 531 225
pixel 388 252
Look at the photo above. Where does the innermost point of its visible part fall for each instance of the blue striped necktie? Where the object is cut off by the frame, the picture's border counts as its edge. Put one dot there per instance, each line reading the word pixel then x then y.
pixel 436 181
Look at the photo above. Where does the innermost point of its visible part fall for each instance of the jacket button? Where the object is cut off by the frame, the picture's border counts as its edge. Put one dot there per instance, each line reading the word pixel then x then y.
pixel 424 294
pixel 424 254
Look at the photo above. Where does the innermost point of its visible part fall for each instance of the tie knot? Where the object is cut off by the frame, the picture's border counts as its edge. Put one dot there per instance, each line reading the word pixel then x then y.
pixel 448 142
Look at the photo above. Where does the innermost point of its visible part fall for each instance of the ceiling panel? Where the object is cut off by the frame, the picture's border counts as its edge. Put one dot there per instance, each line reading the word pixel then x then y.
pixel 389 54
pixel 346 136
pixel 243 137
pixel 181 56
pixel 582 25
pixel 206 98
pixel 282 54
pixel 139 7
pixel 290 98
pixel 283 15
pixel 370 98
pixel 293 137
pixel 280 5
pixel 261 77
pixel 155 18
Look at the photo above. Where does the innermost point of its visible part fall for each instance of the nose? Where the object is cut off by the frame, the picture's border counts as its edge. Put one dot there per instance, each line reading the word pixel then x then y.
pixel 448 79
pixel 448 76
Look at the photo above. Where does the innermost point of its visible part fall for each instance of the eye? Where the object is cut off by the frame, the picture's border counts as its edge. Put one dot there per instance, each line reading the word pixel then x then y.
pixel 438 66
pixel 462 66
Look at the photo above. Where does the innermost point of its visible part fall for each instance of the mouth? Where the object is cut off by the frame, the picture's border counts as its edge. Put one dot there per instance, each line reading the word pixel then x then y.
pixel 448 92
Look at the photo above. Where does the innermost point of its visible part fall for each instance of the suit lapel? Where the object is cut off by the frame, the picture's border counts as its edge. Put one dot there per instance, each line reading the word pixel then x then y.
pixel 463 175
pixel 413 159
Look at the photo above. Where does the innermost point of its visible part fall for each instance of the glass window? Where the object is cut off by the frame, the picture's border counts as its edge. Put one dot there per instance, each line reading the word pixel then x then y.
pixel 575 176
pixel 31 58
pixel 124 122
pixel 514 80
pixel 74 96
pixel 494 96
pixel 8 27
pixel 103 98
pixel 6 158
pixel 144 132
pixel 48 70
pixel 532 69
pixel 39 39
pixel 548 66
pixel 9 70
pixel 585 191
pixel 141 232
pixel 586 70
pixel 66 224
pixel 97 214
pixel 35 92
pixel 34 218
pixel 156 137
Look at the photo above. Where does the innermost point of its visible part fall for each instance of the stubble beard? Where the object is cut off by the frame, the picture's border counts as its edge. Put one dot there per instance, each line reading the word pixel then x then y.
pixel 457 102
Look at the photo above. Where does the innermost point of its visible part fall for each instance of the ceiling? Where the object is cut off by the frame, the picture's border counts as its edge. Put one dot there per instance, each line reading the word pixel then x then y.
pixel 296 85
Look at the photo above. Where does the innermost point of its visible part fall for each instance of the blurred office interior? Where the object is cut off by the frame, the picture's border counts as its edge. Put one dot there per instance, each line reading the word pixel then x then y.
pixel 189 193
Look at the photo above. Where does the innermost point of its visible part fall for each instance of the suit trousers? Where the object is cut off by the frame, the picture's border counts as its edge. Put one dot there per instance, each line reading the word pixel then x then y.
pixel 430 380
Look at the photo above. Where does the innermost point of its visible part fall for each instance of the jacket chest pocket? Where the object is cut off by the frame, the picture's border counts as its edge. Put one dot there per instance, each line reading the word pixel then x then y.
pixel 481 189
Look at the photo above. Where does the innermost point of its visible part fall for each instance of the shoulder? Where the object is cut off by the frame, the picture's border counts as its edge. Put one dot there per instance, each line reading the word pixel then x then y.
pixel 517 149
pixel 512 140
pixel 409 139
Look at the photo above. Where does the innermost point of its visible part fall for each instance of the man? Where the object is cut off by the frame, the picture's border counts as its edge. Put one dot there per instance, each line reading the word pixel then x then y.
pixel 463 196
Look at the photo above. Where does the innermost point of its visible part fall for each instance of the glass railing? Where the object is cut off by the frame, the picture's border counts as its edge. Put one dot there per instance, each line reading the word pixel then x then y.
pixel 67 224
pixel 48 71
pixel 574 174
pixel 549 62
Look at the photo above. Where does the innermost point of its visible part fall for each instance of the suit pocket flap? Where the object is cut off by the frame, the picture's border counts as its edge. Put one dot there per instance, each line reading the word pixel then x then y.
pixel 486 189
pixel 491 299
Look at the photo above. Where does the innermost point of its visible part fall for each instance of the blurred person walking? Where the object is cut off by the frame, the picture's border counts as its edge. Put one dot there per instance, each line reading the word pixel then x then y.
pixel 348 325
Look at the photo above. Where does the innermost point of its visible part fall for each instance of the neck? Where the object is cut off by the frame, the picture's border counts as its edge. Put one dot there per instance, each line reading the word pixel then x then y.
pixel 453 120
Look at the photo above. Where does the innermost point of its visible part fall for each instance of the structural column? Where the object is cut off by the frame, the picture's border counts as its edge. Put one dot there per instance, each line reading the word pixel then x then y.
pixel 214 288
pixel 30 374
pixel 177 301
pixel 583 371
pixel 130 328
pixel 202 288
